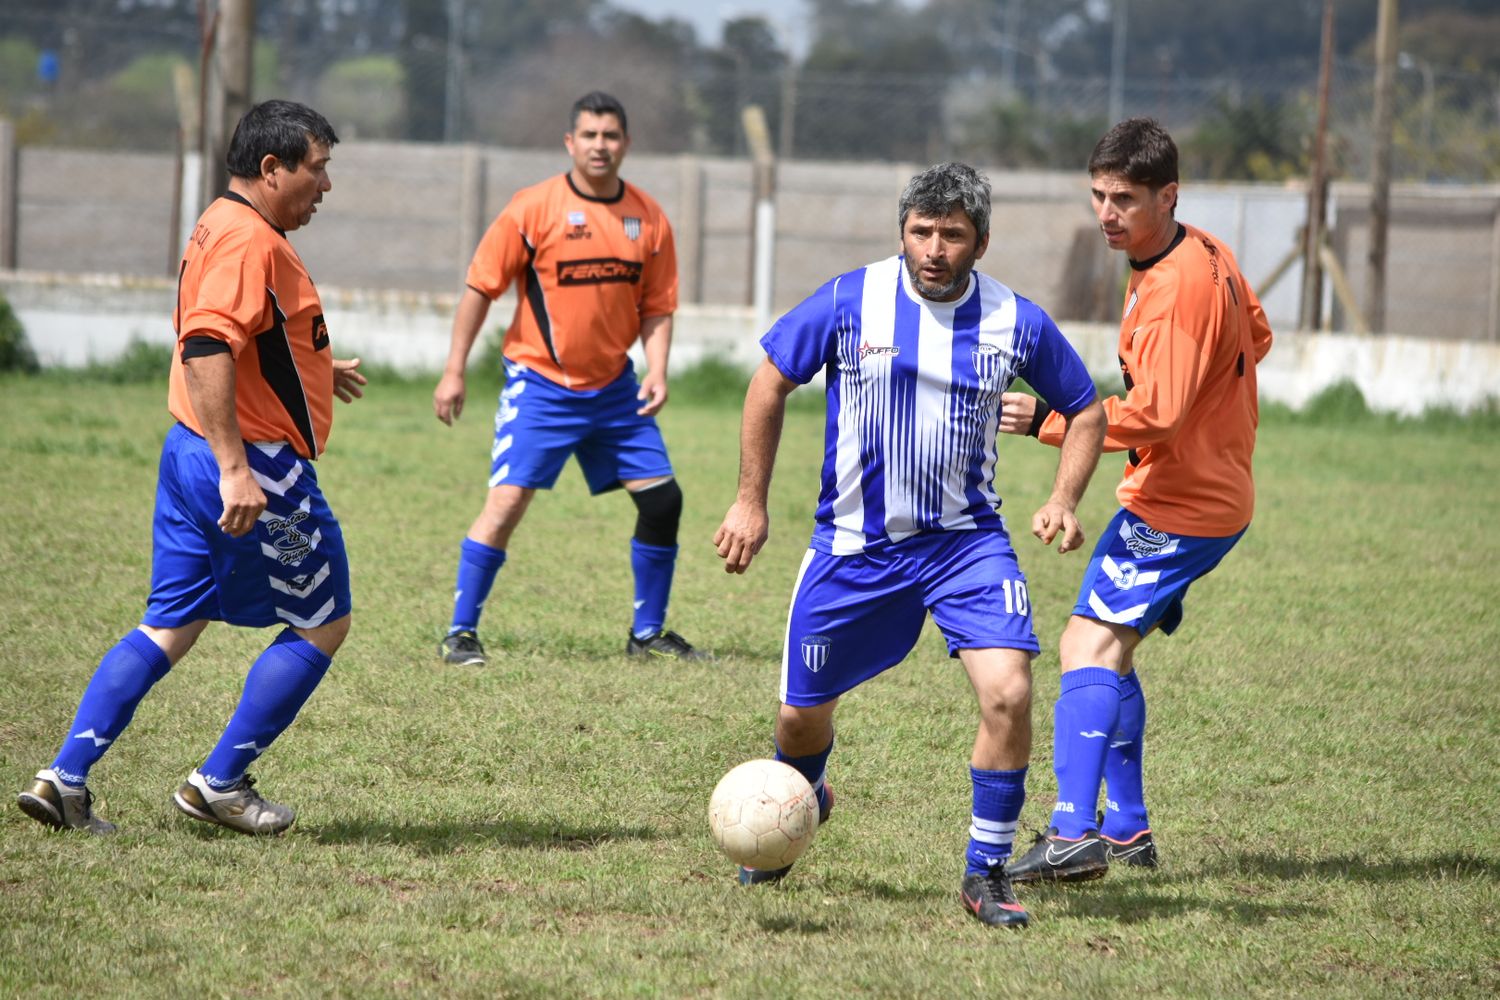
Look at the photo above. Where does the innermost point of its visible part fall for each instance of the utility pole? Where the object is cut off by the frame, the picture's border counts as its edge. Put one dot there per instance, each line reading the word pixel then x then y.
pixel 1317 195
pixel 1380 179
pixel 453 85
pixel 228 39
pixel 1117 63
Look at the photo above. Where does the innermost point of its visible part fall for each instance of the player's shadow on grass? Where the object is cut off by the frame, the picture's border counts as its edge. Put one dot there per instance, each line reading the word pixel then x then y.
pixel 445 837
pixel 1360 868
pixel 1142 901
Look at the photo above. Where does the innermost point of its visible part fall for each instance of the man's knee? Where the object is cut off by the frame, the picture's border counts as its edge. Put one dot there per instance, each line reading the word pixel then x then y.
pixel 804 729
pixel 327 637
pixel 658 512
pixel 1088 642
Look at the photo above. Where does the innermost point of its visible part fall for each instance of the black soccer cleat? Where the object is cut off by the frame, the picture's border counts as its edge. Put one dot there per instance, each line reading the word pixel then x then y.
pixel 992 900
pixel 462 648
pixel 1057 859
pixel 760 876
pixel 667 645
pixel 1137 852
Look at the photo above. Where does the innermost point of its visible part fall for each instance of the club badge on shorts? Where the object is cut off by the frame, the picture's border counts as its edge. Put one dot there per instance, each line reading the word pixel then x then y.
pixel 815 651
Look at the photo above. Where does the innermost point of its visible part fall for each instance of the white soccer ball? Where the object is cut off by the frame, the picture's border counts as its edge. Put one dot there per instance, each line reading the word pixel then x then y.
pixel 763 814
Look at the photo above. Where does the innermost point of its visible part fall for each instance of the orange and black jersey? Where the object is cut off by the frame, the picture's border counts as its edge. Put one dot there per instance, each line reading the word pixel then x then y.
pixel 241 285
pixel 1191 337
pixel 588 270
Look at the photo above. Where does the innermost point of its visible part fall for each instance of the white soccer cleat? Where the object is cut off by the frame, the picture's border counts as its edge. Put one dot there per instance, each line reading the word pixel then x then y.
pixel 239 807
pixel 61 806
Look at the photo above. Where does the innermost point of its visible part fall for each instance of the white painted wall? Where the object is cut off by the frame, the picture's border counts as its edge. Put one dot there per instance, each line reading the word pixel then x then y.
pixel 72 320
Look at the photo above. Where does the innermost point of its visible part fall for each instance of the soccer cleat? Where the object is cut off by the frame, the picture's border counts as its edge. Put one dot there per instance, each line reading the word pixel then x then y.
pixel 61 806
pixel 1057 859
pixel 992 900
pixel 667 645
pixel 462 648
pixel 1138 852
pixel 755 876
pixel 238 807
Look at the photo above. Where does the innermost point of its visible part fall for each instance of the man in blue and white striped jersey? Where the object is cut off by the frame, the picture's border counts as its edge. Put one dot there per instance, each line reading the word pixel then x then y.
pixel 916 351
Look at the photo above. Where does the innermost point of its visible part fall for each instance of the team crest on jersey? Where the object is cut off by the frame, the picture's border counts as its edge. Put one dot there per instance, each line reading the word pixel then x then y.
pixel 1143 540
pixel 1130 304
pixel 986 358
pixel 865 350
pixel 815 651
pixel 632 227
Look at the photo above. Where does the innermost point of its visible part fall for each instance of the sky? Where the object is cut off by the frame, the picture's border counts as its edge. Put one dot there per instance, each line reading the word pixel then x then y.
pixel 788 18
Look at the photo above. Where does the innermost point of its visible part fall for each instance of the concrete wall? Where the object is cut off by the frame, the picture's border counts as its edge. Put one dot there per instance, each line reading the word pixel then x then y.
pixel 406 216
pixel 72 320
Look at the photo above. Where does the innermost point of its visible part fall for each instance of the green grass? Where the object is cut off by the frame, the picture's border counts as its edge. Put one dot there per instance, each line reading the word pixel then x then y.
pixel 1323 741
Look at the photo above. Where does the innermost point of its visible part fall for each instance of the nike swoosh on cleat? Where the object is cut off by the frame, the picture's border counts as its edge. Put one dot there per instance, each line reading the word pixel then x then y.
pixel 972 904
pixel 1055 857
pixel 1115 855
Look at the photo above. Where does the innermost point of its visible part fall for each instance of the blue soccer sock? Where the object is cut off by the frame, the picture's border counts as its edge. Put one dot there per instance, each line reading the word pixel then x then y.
pixel 1083 719
pixel 653 566
pixel 1125 795
pixel 813 767
pixel 119 683
pixel 279 683
pixel 478 565
pixel 998 797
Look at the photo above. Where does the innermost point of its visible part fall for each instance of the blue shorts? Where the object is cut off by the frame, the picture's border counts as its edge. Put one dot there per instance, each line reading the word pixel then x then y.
pixel 1138 576
pixel 855 616
pixel 539 424
pixel 292 569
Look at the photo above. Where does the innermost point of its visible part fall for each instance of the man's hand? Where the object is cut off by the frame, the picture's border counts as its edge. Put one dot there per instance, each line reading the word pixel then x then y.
pixel 654 392
pixel 1016 412
pixel 745 529
pixel 347 380
pixel 243 501
pixel 1053 519
pixel 448 397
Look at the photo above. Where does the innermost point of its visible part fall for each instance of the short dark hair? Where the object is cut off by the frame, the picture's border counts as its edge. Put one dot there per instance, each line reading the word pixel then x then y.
pixel 599 103
pixel 940 189
pixel 1139 150
pixel 280 128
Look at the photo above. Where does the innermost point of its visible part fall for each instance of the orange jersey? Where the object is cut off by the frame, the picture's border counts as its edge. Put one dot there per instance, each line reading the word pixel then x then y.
pixel 241 282
pixel 588 270
pixel 1192 334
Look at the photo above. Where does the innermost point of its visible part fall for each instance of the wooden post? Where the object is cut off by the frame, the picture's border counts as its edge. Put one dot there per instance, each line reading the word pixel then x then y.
pixel 227 68
pixel 687 224
pixel 1380 178
pixel 1317 193
pixel 10 183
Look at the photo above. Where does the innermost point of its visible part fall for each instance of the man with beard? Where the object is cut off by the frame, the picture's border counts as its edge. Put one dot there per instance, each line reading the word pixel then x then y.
pixel 916 350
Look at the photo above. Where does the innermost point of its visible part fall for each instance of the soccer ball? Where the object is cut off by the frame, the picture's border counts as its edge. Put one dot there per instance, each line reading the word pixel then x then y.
pixel 763 814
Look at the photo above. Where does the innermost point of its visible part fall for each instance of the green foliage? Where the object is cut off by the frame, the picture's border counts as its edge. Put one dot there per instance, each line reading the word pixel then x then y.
pixel 537 828
pixel 365 97
pixel 18 60
pixel 139 363
pixel 16 354
pixel 1015 134
pixel 1257 139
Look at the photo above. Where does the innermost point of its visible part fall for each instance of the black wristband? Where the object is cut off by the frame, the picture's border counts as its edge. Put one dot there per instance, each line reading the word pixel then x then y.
pixel 1042 410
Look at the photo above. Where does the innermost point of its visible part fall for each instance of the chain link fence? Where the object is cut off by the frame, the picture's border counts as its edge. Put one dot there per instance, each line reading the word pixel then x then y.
pixel 126 82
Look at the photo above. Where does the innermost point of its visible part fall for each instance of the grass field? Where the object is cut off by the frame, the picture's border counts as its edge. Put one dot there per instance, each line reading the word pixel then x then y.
pixel 1323 745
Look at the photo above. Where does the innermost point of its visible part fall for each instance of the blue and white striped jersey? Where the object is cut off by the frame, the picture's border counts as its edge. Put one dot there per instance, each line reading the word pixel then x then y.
pixel 914 398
